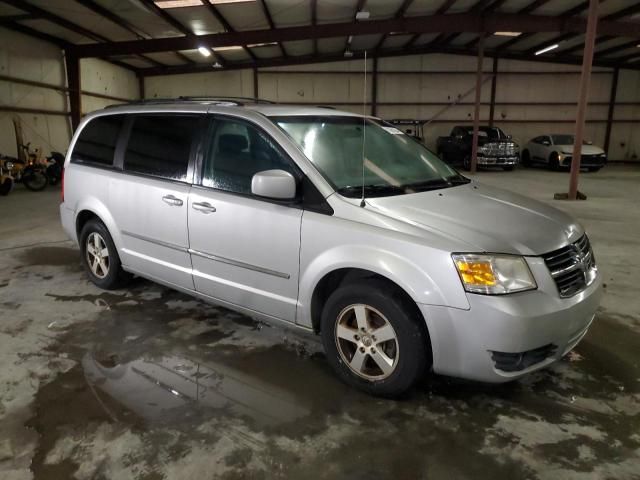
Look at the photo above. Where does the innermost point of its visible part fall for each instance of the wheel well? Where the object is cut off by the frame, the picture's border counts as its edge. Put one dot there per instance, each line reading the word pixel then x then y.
pixel 333 280
pixel 81 220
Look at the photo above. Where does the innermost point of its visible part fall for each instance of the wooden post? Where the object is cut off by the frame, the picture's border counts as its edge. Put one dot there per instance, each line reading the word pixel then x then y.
pixel 612 105
pixel 476 113
pixel 585 78
pixel 494 80
pixel 374 87
pixel 75 94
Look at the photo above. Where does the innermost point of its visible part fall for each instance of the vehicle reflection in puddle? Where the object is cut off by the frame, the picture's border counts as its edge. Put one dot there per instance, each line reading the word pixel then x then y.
pixel 155 389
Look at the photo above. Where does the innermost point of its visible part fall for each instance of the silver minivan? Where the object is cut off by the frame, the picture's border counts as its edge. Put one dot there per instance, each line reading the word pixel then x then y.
pixel 336 224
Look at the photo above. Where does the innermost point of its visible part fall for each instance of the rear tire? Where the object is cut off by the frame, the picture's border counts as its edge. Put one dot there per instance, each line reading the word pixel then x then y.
pixel 6 185
pixel 385 365
pixel 100 257
pixel 35 180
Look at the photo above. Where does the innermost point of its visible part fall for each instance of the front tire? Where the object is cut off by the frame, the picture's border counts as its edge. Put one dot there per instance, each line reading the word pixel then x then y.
pixel 100 257
pixel 374 339
pixel 35 180
pixel 508 168
pixel 554 162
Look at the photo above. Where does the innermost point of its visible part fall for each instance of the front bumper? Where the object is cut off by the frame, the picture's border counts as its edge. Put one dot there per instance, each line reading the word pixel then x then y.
pixel 501 338
pixel 498 161
pixel 586 161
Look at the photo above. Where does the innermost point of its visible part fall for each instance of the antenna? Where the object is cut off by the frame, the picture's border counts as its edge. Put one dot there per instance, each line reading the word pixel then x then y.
pixel 364 124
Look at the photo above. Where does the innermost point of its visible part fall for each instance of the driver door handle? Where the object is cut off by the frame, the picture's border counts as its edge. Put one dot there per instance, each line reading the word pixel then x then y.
pixel 171 200
pixel 203 207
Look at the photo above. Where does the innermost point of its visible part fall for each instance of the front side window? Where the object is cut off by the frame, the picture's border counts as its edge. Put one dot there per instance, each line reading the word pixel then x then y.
pixel 160 145
pixel 237 151
pixel 97 141
pixel 394 163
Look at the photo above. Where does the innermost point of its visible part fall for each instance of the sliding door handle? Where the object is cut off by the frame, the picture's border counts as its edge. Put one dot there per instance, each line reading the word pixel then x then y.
pixel 171 200
pixel 203 207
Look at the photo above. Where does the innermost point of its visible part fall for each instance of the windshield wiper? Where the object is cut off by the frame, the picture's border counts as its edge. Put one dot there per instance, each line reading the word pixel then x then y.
pixel 458 179
pixel 355 191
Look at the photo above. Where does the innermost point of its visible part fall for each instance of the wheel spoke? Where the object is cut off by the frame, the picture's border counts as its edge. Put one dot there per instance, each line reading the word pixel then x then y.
pixel 361 317
pixel 384 334
pixel 357 362
pixel 104 252
pixel 383 361
pixel 346 333
pixel 103 266
pixel 94 265
pixel 90 250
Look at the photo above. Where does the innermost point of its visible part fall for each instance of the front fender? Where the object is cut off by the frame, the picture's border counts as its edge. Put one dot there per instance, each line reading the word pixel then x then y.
pixel 416 281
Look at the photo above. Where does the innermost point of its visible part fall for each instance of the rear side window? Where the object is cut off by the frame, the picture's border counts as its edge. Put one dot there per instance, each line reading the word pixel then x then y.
pixel 160 145
pixel 97 141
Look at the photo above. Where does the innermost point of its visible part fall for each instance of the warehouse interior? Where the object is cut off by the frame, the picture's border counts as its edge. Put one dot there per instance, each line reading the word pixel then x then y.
pixel 84 373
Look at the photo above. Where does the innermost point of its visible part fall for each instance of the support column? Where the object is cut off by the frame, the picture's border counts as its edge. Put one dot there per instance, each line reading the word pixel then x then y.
pixel 612 106
pixel 476 112
pixel 255 84
pixel 141 86
pixel 374 87
pixel 585 78
pixel 75 96
pixel 494 81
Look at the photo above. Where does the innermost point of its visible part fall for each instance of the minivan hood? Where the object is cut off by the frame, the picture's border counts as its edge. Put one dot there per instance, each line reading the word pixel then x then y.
pixel 586 149
pixel 487 218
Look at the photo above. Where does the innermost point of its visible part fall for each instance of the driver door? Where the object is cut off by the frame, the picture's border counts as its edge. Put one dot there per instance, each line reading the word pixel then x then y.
pixel 244 249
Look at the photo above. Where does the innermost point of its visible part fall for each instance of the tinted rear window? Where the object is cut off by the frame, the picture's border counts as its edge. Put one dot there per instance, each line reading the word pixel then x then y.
pixel 97 141
pixel 160 145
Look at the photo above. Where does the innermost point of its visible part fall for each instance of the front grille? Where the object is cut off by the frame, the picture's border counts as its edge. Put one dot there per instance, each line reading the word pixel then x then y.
pixel 515 362
pixel 572 267
pixel 500 149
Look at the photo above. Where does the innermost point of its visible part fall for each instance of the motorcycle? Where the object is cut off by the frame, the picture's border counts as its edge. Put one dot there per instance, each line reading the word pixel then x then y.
pixel 55 164
pixel 33 174
pixel 6 180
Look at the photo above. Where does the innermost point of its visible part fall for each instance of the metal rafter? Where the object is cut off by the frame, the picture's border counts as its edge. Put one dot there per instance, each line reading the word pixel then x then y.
pixel 171 20
pixel 399 13
pixel 51 17
pixel 441 11
pixel 227 26
pixel 581 7
pixel 617 48
pixel 479 6
pixel 630 10
pixel 272 25
pixel 314 21
pixel 451 23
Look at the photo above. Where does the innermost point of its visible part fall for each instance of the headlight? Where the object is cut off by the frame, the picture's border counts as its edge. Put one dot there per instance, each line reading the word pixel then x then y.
pixel 493 274
pixel 9 165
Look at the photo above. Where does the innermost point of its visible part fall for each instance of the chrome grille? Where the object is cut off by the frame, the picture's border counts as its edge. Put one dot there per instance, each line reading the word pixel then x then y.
pixel 573 267
pixel 500 149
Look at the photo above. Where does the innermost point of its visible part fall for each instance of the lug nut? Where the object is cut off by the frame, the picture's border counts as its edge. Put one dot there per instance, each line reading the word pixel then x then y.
pixel 357 337
pixel 373 350
pixel 362 349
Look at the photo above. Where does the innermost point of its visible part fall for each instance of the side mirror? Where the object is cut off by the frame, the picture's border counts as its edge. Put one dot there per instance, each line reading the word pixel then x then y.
pixel 276 184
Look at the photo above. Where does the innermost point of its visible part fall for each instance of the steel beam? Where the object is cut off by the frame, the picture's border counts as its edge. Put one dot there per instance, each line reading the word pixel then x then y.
pixel 75 97
pixel 449 23
pixel 476 110
pixel 585 79
pixel 494 81
pixel 610 111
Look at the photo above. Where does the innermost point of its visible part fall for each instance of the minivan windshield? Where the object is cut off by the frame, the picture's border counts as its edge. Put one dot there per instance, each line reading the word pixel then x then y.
pixel 393 163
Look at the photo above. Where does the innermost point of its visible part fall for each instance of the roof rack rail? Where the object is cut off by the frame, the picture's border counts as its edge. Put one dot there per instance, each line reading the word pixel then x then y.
pixel 237 101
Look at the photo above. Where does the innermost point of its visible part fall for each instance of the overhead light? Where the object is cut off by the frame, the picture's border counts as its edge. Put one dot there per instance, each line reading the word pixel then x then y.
pixel 217 65
pixel 507 34
pixel 204 51
pixel 230 47
pixel 267 44
pixel 348 53
pixel 193 3
pixel 547 49
pixel 362 15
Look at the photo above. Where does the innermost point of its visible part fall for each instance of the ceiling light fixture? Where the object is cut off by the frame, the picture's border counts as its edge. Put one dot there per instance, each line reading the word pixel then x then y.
pixel 361 15
pixel 547 49
pixel 348 53
pixel 227 48
pixel 507 34
pixel 166 4
pixel 217 65
pixel 204 51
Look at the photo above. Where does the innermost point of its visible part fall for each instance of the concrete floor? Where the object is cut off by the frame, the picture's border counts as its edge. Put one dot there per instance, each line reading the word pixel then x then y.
pixel 146 383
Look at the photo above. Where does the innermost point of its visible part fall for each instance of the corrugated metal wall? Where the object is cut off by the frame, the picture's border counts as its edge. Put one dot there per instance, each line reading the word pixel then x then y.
pixel 531 98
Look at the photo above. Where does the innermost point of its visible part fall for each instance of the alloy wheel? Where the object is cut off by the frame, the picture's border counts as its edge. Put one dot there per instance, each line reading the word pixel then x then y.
pixel 367 342
pixel 97 255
